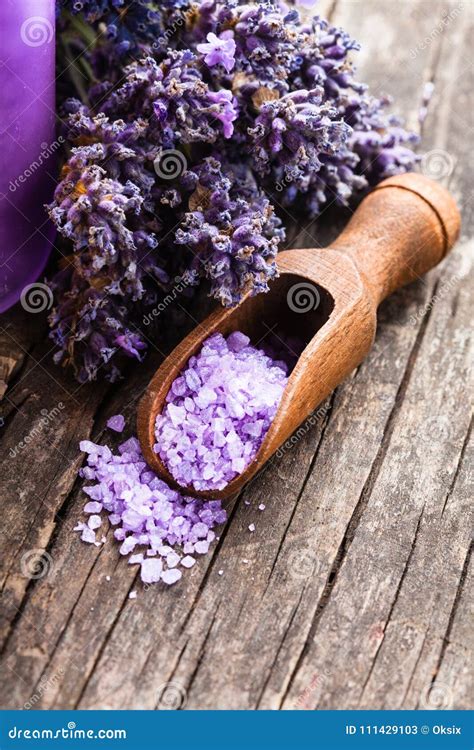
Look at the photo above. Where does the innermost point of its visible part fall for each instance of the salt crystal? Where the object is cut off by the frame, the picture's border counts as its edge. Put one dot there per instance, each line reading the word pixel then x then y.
pixel 261 506
pixel 88 535
pixel 220 572
pixel 172 559
pixel 237 341
pixel 171 576
pixel 107 578
pixel 200 529
pixel 201 548
pixel 132 595
pixel 135 559
pixel 188 561
pixel 151 570
pixel 92 507
pixel 127 546
pixel 94 522
pixel 116 423
pixel 252 527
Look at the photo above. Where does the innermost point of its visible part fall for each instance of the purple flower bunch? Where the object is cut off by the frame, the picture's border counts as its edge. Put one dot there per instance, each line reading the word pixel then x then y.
pixel 201 121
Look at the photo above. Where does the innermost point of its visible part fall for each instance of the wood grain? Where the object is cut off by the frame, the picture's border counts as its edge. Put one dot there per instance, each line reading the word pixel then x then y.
pixel 354 590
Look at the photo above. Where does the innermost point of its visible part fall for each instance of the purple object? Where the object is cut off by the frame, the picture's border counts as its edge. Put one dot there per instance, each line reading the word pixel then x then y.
pixel 218 412
pixel 116 423
pixel 148 514
pixel 27 147
pixel 219 50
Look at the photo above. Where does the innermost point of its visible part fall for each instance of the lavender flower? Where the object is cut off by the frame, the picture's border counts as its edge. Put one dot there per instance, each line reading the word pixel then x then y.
pixel 232 232
pixel 251 103
pixel 219 50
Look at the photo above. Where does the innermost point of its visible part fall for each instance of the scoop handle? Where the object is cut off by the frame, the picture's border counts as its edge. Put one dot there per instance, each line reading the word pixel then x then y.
pixel 404 227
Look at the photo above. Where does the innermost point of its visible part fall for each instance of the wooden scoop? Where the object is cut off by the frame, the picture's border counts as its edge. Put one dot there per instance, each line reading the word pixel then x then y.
pixel 327 297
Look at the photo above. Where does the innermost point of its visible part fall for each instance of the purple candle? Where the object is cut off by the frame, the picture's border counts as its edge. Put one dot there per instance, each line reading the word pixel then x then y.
pixel 27 146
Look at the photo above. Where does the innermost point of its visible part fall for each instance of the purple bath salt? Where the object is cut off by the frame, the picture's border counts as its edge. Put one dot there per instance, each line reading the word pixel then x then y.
pixel 116 423
pixel 218 412
pixel 157 527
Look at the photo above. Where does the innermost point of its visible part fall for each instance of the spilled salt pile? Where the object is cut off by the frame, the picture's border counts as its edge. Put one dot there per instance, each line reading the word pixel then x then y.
pixel 158 528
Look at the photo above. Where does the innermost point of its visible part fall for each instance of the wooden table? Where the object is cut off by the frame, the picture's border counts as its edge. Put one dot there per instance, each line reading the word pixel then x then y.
pixel 353 589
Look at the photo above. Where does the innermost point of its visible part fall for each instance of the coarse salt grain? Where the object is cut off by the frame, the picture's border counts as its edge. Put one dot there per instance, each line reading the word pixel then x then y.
pixel 218 412
pixel 171 576
pixel 252 527
pixel 116 423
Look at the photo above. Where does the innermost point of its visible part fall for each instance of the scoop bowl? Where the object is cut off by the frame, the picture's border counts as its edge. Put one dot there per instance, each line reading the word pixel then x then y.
pixel 326 297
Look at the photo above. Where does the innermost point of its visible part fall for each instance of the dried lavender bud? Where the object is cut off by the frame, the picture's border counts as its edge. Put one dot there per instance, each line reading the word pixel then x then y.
pixel 198 114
